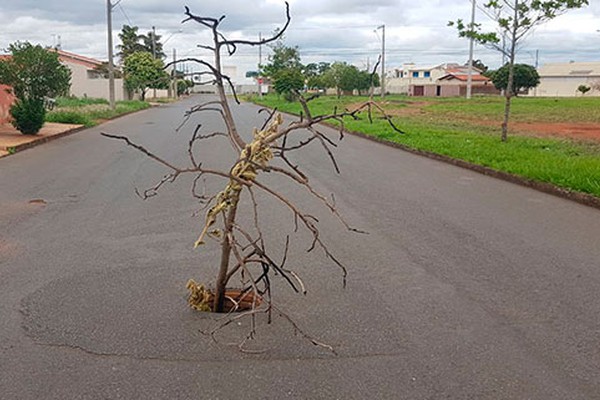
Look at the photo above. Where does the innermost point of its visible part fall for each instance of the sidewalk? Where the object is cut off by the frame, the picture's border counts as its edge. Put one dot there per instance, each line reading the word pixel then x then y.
pixel 12 141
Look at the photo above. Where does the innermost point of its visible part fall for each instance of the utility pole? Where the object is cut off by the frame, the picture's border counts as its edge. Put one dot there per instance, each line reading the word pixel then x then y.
pixel 111 65
pixel 470 68
pixel 537 57
pixel 382 27
pixel 154 53
pixel 259 77
pixel 175 88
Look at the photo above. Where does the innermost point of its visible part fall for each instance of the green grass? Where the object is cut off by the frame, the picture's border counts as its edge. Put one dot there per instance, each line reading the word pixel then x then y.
pixel 568 164
pixel 90 112
pixel 62 102
pixel 523 109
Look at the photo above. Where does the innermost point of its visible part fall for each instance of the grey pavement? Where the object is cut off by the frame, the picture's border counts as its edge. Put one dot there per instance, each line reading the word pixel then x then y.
pixel 466 287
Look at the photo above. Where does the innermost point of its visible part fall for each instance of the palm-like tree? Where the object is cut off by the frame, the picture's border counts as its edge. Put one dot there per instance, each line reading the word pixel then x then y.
pixel 130 42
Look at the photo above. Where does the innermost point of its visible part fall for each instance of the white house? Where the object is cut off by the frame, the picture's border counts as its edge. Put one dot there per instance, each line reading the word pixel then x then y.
pixel 411 75
pixel 448 79
pixel 563 79
pixel 86 80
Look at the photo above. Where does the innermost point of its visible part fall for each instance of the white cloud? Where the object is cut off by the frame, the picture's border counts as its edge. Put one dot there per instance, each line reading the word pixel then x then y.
pixel 324 30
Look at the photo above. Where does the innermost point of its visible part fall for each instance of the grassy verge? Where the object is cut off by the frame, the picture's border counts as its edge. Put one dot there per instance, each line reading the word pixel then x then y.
pixel 564 163
pixel 90 112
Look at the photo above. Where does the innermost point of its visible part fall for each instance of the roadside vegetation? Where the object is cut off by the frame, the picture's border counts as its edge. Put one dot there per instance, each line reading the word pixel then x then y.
pixel 90 112
pixel 33 73
pixel 468 130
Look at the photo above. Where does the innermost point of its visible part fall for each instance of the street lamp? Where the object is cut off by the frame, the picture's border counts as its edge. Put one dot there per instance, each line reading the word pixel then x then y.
pixel 171 35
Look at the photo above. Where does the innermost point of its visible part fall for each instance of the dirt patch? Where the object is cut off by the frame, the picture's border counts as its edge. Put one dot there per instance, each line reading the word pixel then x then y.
pixel 573 130
pixel 9 249
pixel 580 131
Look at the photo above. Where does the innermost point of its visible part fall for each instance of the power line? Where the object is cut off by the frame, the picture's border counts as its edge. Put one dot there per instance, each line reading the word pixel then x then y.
pixel 125 15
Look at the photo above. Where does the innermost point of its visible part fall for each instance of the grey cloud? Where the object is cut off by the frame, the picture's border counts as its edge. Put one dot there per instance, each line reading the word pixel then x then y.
pixel 325 30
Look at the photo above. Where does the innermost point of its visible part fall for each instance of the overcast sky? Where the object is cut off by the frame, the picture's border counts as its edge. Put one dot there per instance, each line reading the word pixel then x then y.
pixel 324 30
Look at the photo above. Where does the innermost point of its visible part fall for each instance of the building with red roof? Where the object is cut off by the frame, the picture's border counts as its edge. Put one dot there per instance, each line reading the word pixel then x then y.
pixel 442 80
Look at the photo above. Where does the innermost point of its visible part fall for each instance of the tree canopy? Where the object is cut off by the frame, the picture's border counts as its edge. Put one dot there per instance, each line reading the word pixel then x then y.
pixel 142 71
pixel 525 77
pixel 284 69
pixel 346 78
pixel 34 72
pixel 283 58
pixel 132 41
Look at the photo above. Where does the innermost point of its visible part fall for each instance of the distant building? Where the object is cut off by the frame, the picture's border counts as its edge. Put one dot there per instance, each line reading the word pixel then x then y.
pixel 443 80
pixel 563 79
pixel 410 74
pixel 86 79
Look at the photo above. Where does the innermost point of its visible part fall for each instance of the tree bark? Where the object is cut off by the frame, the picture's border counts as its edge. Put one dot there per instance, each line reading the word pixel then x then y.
pixel 511 73
pixel 225 256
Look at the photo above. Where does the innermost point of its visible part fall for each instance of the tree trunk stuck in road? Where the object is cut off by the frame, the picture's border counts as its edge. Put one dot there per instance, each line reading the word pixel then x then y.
pixel 243 250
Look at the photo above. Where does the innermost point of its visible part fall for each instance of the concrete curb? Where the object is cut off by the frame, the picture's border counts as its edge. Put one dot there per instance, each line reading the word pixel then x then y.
pixel 41 140
pixel 579 197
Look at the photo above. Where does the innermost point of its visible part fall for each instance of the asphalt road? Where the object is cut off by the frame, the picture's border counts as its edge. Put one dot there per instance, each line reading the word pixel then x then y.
pixel 466 287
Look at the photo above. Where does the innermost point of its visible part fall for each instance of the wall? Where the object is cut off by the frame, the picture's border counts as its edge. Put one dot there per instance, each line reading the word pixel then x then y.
pixel 564 86
pixel 454 90
pixel 84 86
pixel 6 100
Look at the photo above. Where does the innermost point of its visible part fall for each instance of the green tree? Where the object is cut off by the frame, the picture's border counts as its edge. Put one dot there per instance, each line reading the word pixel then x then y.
pixel 514 20
pixel 141 71
pixel 33 73
pixel 347 78
pixel 183 86
pixel 287 82
pixel 314 74
pixel 366 80
pixel 130 42
pixel 283 58
pixel 333 76
pixel 284 69
pixel 525 77
pixel 153 47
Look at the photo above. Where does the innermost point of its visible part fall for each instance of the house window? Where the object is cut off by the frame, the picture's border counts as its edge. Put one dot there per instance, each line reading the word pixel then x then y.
pixel 415 74
pixel 93 74
pixel 427 74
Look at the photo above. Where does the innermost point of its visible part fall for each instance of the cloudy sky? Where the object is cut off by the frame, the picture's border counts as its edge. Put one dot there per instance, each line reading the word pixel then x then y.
pixel 324 30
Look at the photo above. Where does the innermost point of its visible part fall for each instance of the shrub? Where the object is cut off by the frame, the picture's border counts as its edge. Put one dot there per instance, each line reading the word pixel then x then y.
pixel 583 89
pixel 28 115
